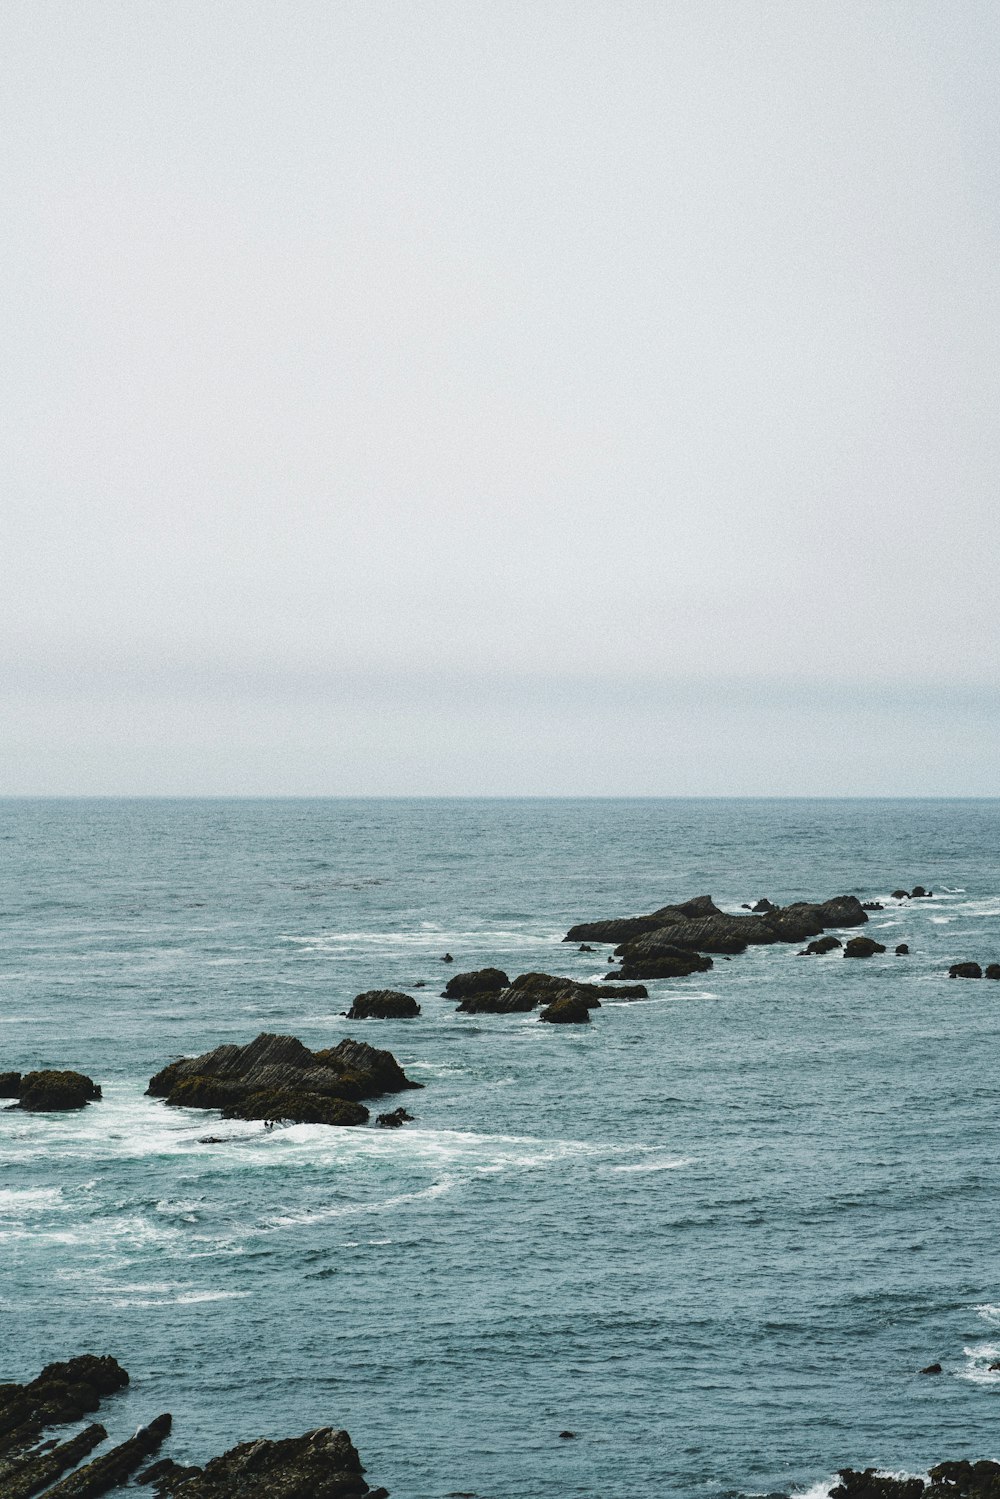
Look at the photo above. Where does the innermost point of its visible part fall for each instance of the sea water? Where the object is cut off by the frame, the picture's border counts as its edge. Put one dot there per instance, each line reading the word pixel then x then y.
pixel 716 1233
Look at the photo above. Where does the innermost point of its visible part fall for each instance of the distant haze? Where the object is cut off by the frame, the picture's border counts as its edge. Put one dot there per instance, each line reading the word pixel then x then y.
pixel 587 398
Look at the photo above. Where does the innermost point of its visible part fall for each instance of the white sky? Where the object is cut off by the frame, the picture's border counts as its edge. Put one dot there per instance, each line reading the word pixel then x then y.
pixel 589 397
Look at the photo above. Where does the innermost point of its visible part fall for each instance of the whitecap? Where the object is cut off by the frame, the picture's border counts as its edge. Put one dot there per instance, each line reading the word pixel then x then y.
pixel 990 1312
pixel 671 1163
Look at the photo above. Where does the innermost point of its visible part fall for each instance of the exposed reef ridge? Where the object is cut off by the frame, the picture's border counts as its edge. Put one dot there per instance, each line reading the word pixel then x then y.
pixel 322 1464
pixel 277 1078
pixel 952 1480
pixel 529 990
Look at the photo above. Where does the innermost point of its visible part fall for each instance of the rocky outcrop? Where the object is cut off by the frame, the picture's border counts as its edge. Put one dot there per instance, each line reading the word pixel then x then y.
pixel 625 928
pixel 52 1091
pixel 480 981
pixel 902 949
pixel 277 1078
pixel 669 963
pixel 863 947
pixel 568 1009
pixel 10 1084
pixel 383 1004
pixel 323 1464
pixel 529 990
pixel 395 1119
pixel 965 971
pixel 919 893
pixel 954 1480
pixel 900 895
pixel 992 971
pixel 820 946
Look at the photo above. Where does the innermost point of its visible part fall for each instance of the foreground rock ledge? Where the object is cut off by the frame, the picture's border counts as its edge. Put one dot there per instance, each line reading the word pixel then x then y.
pixel 953 1480
pixel 322 1464
pixel 277 1078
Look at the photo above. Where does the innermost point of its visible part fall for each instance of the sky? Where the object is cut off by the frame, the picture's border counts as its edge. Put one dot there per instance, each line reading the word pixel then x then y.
pixel 488 398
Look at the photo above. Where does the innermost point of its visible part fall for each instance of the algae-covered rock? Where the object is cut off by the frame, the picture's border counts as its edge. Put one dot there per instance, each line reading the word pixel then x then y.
pixel 569 1009
pixel 323 1464
pixel 822 945
pixel 52 1091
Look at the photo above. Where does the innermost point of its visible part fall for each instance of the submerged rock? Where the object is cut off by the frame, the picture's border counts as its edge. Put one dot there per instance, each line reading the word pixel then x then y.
pixel 919 893
pixel 932 1369
pixel 277 1078
pixel 479 981
pixel 900 895
pixel 965 971
pixel 383 1004
pixel 52 1091
pixel 863 947
pixel 872 905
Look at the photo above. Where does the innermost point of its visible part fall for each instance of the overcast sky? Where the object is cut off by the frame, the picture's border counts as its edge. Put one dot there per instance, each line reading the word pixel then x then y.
pixel 595 397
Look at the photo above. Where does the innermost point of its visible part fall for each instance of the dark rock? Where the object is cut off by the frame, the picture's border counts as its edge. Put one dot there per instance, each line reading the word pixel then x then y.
pixel 48 1092
pixel 447 958
pixel 569 1009
pixel 323 1464
pixel 276 1077
pixel 10 1084
pixel 420 984
pixel 954 1480
pixel 763 905
pixel 900 895
pixel 529 990
pixel 919 893
pixel 586 947
pixel 395 1119
pixel 992 971
pixel 821 945
pixel 625 928
pixel 567 1436
pixel 932 1369
pixel 383 1004
pixel 671 963
pixel 112 1470
pixel 61 1394
pixel 480 981
pixel 872 905
pixel 902 950
pixel 863 947
pixel 35 1469
pixel 842 910
pixel 965 971
pixel 871 1484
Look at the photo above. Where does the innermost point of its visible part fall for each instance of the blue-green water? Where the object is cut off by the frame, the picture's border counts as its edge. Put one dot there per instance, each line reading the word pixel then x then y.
pixel 715 1233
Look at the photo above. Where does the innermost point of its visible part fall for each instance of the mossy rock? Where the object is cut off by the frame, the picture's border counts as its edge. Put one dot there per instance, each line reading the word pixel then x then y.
pixel 863 947
pixel 571 1009
pixel 201 1092
pixel 52 1091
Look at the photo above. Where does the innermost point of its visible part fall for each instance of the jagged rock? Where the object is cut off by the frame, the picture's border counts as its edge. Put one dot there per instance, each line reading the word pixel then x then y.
pixel 863 947
pixel 33 1470
pixel 954 1480
pixel 932 1369
pixel 62 1394
pixel 586 947
pixel 568 1009
pixel 902 950
pixel 480 981
pixel 763 905
pixel 820 946
pixel 900 895
pixel 383 1004
pixel 919 893
pixel 965 971
pixel 52 1091
pixel 567 1436
pixel 112 1470
pixel 395 1119
pixel 992 971
pixel 625 928
pixel 276 1077
pixel 10 1084
pixel 323 1464
pixel 670 963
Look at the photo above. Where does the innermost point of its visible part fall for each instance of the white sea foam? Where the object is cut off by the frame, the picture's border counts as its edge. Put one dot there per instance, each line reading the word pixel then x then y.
pixel 821 1489
pixel 669 1163
pixel 990 1312
pixel 978 1359
pixel 16 1201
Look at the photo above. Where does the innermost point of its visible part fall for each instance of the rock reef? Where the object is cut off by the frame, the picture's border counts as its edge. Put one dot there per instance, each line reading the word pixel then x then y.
pixel 277 1078
pixel 953 1480
pixel 529 990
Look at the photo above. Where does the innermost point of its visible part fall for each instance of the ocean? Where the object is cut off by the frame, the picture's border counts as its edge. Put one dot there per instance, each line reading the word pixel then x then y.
pixel 715 1234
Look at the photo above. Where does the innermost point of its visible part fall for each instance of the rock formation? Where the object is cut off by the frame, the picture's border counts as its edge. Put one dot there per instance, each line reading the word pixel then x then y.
pixel 49 1091
pixel 383 1004
pixel 569 1009
pixel 863 947
pixel 820 946
pixel 277 1078
pixel 529 990
pixel 954 1480
pixel 480 981
pixel 965 971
